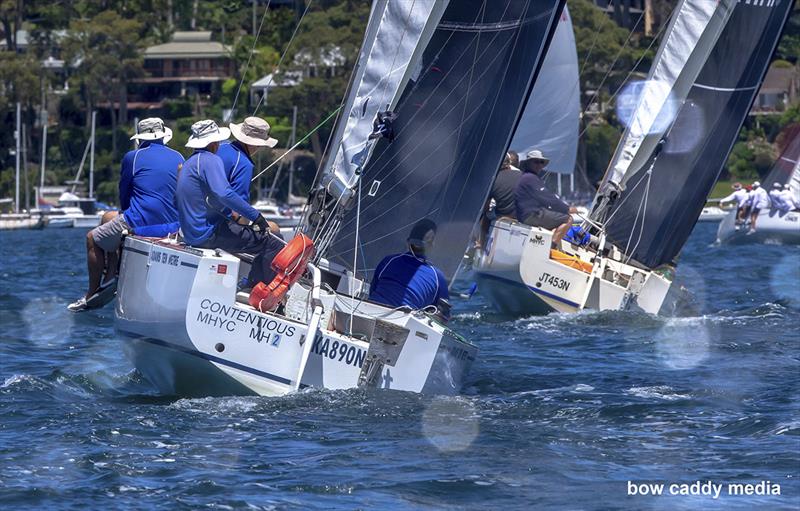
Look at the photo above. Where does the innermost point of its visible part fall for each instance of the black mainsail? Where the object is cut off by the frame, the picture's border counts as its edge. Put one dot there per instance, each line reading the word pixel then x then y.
pixel 454 122
pixel 655 213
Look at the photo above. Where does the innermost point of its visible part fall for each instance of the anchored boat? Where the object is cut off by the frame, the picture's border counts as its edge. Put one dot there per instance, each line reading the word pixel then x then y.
pixel 433 81
pixel 677 140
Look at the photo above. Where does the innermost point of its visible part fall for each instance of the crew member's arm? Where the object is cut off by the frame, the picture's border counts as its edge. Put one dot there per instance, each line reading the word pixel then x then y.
pixel 240 179
pixel 126 181
pixel 728 198
pixel 222 191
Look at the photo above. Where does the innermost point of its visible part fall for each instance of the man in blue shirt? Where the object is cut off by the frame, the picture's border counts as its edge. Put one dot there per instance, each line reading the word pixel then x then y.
pixel 147 202
pixel 237 157
pixel 201 184
pixel 408 279
pixel 536 205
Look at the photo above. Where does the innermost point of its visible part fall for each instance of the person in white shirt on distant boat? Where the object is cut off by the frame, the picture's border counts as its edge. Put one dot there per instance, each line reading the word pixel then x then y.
pixel 788 198
pixel 776 199
pixel 740 196
pixel 759 200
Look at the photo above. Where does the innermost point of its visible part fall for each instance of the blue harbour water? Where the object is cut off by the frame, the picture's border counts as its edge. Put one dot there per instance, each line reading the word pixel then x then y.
pixel 558 412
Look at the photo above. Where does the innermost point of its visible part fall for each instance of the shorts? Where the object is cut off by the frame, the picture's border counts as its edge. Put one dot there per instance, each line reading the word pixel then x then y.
pixel 546 218
pixel 108 236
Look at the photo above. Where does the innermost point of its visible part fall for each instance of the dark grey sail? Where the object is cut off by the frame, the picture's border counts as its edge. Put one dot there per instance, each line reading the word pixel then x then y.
pixel 454 122
pixel 654 215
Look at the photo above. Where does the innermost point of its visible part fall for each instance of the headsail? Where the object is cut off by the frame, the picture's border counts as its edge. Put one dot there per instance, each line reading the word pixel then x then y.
pixel 692 33
pixel 455 121
pixel 395 36
pixel 550 120
pixel 653 227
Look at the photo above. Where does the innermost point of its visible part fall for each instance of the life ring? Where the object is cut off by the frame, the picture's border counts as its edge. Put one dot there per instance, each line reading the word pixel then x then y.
pixel 289 264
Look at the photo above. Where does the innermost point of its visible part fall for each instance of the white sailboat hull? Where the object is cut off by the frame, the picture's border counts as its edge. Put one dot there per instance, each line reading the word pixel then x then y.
pixel 520 276
pixel 11 222
pixel 187 335
pixel 772 227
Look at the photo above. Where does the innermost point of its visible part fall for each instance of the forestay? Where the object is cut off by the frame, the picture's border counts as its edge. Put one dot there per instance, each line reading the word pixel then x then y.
pixel 454 124
pixel 396 34
pixel 551 117
pixel 691 35
pixel 654 216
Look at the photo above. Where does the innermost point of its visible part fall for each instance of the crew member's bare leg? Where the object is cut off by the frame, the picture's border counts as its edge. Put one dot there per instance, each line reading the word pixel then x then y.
pixel 112 258
pixel 96 259
pixel 559 233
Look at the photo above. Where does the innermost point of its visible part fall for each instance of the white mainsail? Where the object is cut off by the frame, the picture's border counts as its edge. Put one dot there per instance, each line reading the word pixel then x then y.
pixel 396 36
pixel 693 31
pixel 551 116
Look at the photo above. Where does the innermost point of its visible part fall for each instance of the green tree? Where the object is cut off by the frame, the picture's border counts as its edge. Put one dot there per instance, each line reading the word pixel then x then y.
pixel 105 52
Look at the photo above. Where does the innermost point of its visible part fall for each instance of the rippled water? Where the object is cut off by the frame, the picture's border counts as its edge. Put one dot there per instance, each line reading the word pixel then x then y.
pixel 559 411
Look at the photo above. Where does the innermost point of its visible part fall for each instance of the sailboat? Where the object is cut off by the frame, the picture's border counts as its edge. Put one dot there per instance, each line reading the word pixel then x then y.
pixel 453 77
pixel 18 219
pixel 550 123
pixel 704 78
pixel 773 225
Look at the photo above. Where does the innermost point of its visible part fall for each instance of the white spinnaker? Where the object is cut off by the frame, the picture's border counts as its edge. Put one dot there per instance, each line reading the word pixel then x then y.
pixel 396 36
pixel 694 29
pixel 551 116
pixel 794 182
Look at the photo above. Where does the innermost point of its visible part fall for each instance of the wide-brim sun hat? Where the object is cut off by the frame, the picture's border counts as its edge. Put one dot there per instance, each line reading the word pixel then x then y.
pixel 777 185
pixel 152 128
pixel 206 132
pixel 253 131
pixel 536 155
pixel 737 186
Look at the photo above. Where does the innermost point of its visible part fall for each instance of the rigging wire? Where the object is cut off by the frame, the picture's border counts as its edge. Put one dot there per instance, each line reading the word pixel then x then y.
pixel 616 59
pixel 625 81
pixel 285 52
pixel 249 57
pixel 306 137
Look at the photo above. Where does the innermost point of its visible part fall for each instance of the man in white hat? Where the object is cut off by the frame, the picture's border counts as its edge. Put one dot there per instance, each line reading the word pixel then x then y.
pixel 776 198
pixel 740 196
pixel 538 206
pixel 147 181
pixel 250 136
pixel 202 185
pixel 789 197
pixel 759 200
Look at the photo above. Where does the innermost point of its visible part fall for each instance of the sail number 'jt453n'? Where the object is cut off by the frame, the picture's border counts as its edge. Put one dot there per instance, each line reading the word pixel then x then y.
pixel 552 280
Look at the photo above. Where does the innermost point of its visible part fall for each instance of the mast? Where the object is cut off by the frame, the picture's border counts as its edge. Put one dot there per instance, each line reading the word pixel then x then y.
pixel 17 137
pixel 91 158
pixel 291 162
pixel 45 119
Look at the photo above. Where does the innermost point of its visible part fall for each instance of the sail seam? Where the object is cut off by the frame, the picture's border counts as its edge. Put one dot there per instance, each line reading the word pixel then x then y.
pixel 725 89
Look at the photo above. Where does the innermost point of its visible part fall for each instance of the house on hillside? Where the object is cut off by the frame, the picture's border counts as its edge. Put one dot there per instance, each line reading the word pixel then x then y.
pixel 190 65
pixel 781 88
pixel 323 63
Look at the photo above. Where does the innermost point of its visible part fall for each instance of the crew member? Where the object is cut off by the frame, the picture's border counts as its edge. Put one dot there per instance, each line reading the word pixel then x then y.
pixel 250 136
pixel 202 177
pixel 408 279
pixel 147 203
pixel 789 198
pixel 538 206
pixel 501 198
pixel 740 196
pixel 760 200
pixel 776 199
